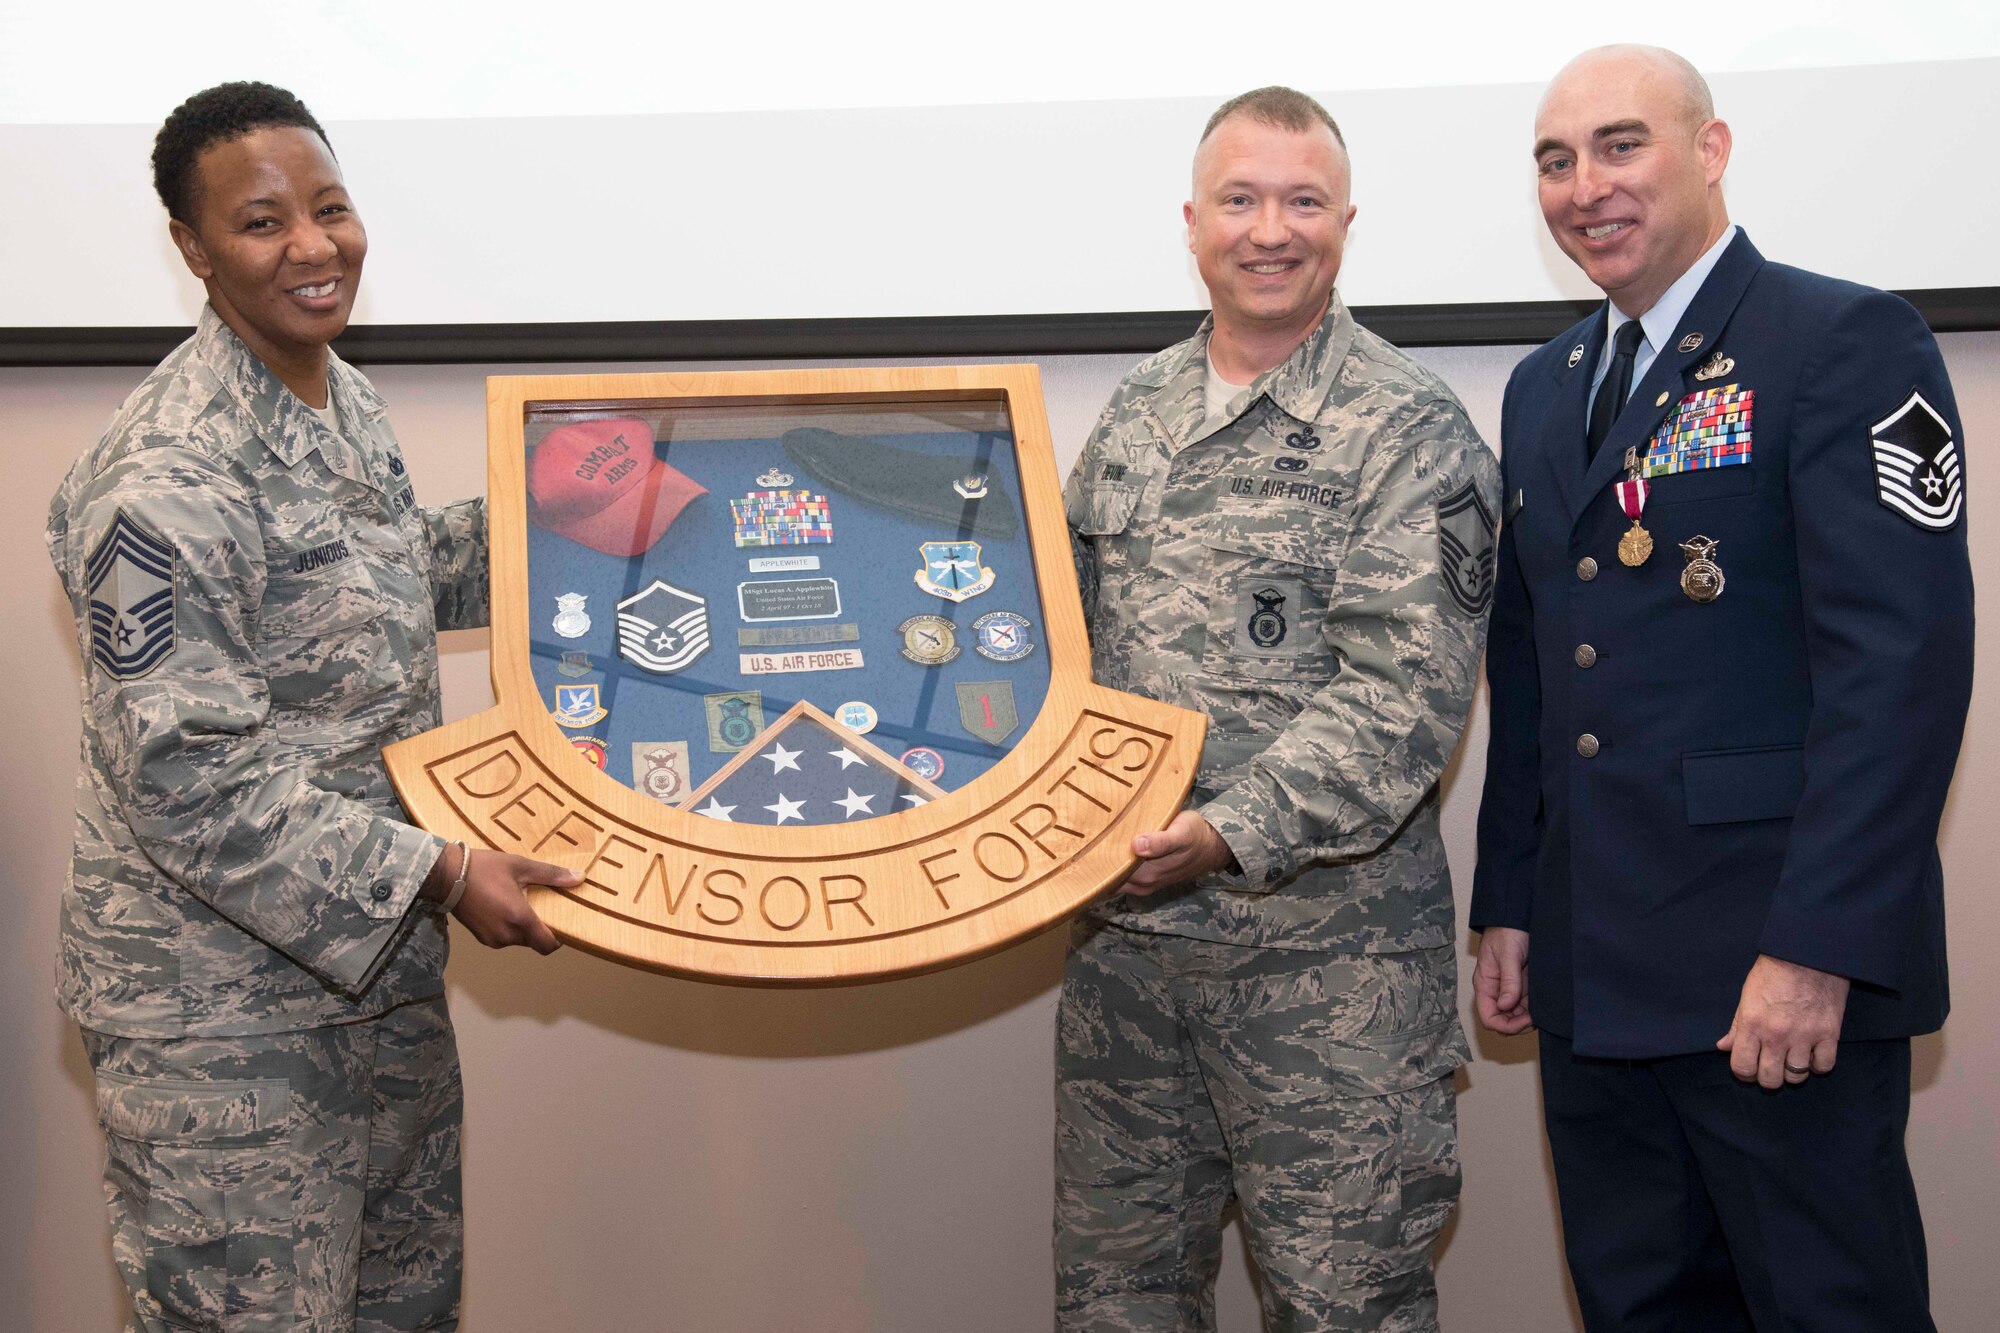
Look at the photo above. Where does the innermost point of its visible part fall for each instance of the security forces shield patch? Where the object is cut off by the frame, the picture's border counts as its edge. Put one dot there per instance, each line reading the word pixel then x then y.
pixel 130 582
pixel 1916 465
pixel 1465 548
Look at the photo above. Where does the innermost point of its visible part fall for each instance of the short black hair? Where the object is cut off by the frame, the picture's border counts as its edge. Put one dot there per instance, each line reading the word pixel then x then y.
pixel 216 115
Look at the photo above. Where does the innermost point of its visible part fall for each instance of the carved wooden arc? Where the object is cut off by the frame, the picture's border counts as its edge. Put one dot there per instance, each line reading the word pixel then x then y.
pixel 1010 853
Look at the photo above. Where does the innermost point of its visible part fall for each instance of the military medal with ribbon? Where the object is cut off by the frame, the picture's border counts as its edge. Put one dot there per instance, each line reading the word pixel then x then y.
pixel 1637 543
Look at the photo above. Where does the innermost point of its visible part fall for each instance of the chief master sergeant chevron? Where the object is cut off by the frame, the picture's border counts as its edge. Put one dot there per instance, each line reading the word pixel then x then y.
pixel 1731 659
pixel 249 937
pixel 1285 523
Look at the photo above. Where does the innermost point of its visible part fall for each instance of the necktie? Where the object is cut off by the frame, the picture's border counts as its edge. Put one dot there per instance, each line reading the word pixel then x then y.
pixel 1617 385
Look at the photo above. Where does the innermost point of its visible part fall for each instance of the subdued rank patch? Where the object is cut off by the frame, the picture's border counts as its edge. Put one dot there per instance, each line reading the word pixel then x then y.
pixel 799 660
pixel 1465 548
pixel 925 762
pixel 1917 471
pixel 734 719
pixel 1002 636
pixel 662 628
pixel 986 709
pixel 952 570
pixel 574 663
pixel 591 748
pixel 130 582
pixel 578 705
pixel 660 769
pixel 929 640
pixel 1267 613
pixel 571 622
pixel 793 636
pixel 858 717
pixel 788 599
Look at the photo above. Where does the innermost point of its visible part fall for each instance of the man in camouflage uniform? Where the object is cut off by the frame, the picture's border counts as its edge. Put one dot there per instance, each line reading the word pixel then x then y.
pixel 257 596
pixel 1287 524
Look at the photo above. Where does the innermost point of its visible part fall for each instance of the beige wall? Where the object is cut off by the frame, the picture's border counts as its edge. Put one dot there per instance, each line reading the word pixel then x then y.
pixel 648 1153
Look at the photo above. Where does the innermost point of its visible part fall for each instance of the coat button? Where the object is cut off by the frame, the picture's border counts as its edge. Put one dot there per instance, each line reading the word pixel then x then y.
pixel 383 891
pixel 1586 745
pixel 1586 569
pixel 1586 656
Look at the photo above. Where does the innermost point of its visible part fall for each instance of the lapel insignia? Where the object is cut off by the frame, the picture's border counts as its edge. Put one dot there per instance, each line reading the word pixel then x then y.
pixel 1691 343
pixel 1575 355
pixel 1715 367
pixel 1916 465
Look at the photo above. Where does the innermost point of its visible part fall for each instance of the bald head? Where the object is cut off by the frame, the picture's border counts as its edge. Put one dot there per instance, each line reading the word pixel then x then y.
pixel 1687 92
pixel 1629 160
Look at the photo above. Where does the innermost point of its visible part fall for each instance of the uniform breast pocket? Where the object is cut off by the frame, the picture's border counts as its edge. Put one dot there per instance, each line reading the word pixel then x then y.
pixel 1267 597
pixel 1103 509
pixel 1707 483
pixel 327 639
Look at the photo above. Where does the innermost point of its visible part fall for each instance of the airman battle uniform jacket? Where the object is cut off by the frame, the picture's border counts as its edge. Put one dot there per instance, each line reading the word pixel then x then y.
pixel 257 601
pixel 1312 573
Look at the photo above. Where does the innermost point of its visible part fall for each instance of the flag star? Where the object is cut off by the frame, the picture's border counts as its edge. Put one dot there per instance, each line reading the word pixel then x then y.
pixel 916 800
pixel 716 810
pixel 785 809
pixel 782 759
pixel 855 805
pixel 846 757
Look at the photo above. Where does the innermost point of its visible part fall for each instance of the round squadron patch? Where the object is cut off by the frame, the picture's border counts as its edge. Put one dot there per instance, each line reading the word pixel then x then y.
pixel 929 640
pixel 1002 636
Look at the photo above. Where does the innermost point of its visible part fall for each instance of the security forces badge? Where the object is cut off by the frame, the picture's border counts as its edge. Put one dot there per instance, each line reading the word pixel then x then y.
pixel 1466 529
pixel 130 582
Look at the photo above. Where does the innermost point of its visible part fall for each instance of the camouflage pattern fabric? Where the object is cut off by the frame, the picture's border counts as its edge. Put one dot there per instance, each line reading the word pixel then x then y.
pixel 241 864
pixel 1313 573
pixel 287 1181
pixel 1312 1088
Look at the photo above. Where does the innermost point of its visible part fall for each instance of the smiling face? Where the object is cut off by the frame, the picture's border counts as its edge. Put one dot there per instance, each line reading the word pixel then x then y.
pixel 1267 224
pixel 278 245
pixel 1630 172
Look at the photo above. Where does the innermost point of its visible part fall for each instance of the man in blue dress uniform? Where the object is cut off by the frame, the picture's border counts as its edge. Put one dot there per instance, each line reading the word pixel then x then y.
pixel 1730 659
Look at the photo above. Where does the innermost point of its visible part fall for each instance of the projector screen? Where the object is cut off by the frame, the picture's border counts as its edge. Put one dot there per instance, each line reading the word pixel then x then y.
pixel 563 165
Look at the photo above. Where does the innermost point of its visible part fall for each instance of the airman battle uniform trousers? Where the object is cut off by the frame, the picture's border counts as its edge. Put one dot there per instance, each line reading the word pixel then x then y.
pixel 1312 572
pixel 257 597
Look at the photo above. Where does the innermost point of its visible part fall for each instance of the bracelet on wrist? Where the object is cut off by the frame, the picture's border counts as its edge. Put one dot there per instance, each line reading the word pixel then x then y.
pixel 450 900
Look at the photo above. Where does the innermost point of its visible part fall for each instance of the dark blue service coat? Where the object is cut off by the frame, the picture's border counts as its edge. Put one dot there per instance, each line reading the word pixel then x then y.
pixel 1674 787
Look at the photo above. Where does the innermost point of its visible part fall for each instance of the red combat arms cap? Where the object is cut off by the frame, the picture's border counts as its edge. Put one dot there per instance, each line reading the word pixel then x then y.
pixel 599 483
